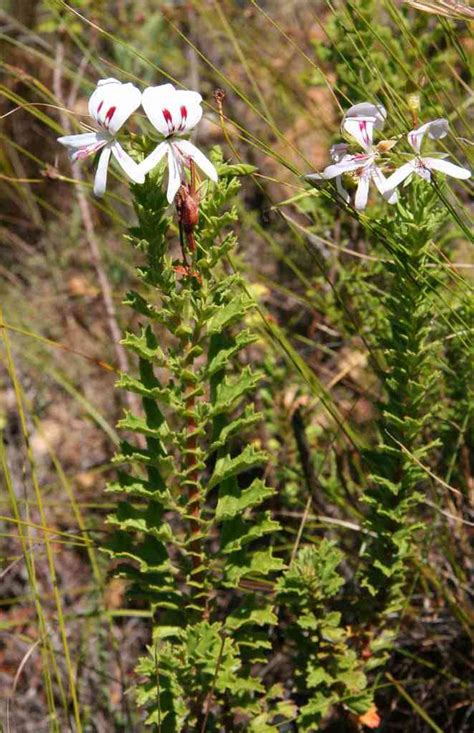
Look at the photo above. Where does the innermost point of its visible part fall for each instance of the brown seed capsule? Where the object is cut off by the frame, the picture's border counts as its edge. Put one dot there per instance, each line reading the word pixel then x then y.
pixel 187 208
pixel 219 96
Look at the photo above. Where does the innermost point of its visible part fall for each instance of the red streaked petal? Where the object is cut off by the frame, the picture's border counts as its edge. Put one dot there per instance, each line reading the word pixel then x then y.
pixel 110 113
pixel 184 116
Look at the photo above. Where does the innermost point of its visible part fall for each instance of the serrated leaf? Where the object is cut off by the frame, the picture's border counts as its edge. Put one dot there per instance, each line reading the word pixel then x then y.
pixel 353 680
pixel 241 565
pixel 247 615
pixel 236 427
pixel 226 467
pixel 231 390
pixel 237 169
pixel 221 359
pixel 135 486
pixel 314 710
pixel 318 676
pixel 237 533
pixel 132 454
pixel 232 501
pixel 150 555
pixel 228 314
pixel 148 521
pixel 132 384
pixel 145 345
pixel 136 424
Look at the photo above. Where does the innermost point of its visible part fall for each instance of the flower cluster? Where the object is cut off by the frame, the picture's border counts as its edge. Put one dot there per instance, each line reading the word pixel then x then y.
pixel 359 123
pixel 171 111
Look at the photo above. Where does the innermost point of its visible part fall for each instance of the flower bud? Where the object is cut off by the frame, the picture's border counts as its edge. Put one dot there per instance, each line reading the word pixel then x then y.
pixel 414 103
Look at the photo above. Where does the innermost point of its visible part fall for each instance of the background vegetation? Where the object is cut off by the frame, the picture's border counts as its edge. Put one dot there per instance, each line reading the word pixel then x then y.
pixel 345 407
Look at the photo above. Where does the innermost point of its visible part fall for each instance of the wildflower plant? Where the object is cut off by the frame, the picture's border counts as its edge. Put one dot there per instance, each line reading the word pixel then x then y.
pixel 194 532
pixel 404 348
pixel 189 530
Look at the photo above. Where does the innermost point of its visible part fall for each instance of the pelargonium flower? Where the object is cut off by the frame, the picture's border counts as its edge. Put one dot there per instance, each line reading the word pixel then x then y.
pixel 421 165
pixel 359 122
pixel 111 104
pixel 174 112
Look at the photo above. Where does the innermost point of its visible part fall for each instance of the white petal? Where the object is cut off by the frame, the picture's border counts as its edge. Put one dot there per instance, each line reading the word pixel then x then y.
pixel 338 151
pixel 423 171
pixel 127 163
pixel 104 87
pixel 112 103
pixel 444 166
pixel 341 190
pixel 362 193
pixel 349 163
pixel 78 141
pixel 315 177
pixel 170 110
pixel 368 111
pixel 152 160
pixel 174 174
pixel 100 180
pixel 436 129
pixel 81 146
pixel 403 172
pixel 381 184
pixel 361 130
pixel 108 80
pixel 191 151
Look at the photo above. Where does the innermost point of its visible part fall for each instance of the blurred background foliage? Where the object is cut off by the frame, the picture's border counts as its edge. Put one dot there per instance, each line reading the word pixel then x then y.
pixel 287 70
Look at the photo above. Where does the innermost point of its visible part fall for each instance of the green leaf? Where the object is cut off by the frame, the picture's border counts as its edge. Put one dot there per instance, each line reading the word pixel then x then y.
pixel 318 676
pixel 232 501
pixel 248 614
pixel 132 384
pixel 236 427
pixel 150 555
pixel 136 424
pixel 226 467
pixel 221 359
pixel 231 390
pixel 312 713
pixel 136 486
pixel 243 565
pixel 145 345
pixel 228 314
pixel 148 521
pixel 236 533
pixel 353 680
pixel 238 169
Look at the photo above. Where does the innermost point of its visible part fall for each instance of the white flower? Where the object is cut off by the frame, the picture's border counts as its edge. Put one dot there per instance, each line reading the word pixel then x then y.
pixel 421 165
pixel 359 122
pixel 111 104
pixel 174 113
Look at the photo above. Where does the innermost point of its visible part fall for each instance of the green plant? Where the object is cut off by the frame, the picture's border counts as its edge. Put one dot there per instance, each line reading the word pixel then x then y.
pixel 410 351
pixel 328 665
pixel 194 499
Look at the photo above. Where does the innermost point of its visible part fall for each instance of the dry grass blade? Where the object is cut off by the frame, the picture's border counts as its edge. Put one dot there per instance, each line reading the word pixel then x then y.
pixel 17 677
pixel 447 8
